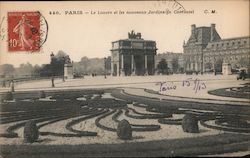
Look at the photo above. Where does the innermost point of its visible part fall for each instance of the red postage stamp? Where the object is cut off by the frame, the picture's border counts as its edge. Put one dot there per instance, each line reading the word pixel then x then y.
pixel 23 31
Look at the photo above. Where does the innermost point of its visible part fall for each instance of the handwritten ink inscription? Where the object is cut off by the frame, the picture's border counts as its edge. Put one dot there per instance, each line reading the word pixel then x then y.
pixel 195 84
pixel 165 87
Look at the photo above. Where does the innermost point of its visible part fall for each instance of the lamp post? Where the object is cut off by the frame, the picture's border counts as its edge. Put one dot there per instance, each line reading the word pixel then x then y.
pixel 63 79
pixel 105 67
pixel 52 82
pixel 12 86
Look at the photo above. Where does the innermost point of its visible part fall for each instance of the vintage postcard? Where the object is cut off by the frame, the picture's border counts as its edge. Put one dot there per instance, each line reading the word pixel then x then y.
pixel 164 78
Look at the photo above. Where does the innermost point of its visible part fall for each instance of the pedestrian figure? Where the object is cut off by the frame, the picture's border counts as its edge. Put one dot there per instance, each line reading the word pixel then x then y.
pixel 63 79
pixel 9 83
pixel 12 86
pixel 105 76
pixel 4 84
pixel 52 82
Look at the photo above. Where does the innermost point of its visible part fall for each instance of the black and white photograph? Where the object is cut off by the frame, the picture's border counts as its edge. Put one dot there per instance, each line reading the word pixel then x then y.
pixel 164 78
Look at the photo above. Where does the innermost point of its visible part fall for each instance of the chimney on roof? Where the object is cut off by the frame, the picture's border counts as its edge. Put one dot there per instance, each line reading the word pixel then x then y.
pixel 193 29
pixel 212 31
pixel 193 26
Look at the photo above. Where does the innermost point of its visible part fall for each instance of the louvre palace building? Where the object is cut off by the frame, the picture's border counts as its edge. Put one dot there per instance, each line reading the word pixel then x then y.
pixel 206 51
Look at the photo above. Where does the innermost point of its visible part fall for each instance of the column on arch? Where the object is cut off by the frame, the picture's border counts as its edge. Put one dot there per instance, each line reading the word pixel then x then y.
pixel 132 65
pixel 118 64
pixel 122 65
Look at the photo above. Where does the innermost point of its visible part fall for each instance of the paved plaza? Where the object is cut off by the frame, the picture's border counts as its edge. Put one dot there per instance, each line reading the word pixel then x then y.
pixel 137 84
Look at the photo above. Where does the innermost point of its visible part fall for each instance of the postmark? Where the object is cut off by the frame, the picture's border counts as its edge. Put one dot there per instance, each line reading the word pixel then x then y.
pixel 27 31
pixel 173 5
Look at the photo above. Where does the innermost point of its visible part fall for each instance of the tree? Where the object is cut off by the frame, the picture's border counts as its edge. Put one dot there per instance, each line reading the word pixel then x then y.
pixel 93 65
pixel 84 63
pixel 7 69
pixel 24 70
pixel 60 54
pixel 46 70
pixel 108 63
pixel 56 66
pixel 175 65
pixel 57 63
pixel 36 70
pixel 162 66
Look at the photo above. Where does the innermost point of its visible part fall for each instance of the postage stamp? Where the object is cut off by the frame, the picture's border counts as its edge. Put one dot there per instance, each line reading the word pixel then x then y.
pixel 165 78
pixel 23 31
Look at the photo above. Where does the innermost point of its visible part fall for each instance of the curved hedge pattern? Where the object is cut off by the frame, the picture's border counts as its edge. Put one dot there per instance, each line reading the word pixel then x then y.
pixel 85 133
pixel 145 116
pixel 136 127
pixel 97 121
pixel 67 106
pixel 170 121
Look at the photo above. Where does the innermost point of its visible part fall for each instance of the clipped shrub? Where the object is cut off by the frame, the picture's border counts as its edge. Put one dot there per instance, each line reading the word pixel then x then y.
pixel 88 97
pixel 42 94
pixel 30 132
pixel 59 97
pixel 8 96
pixel 190 124
pixel 9 135
pixel 97 97
pixel 129 102
pixel 124 130
pixel 167 108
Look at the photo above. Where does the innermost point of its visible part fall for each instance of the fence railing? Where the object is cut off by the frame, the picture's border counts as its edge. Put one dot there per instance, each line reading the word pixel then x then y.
pixel 8 80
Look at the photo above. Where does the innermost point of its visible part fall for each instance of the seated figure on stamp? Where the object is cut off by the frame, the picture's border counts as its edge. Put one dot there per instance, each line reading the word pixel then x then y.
pixel 20 29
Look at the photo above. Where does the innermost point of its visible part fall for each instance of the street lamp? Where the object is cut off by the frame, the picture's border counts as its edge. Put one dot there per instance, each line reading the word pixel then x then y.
pixel 63 79
pixel 105 67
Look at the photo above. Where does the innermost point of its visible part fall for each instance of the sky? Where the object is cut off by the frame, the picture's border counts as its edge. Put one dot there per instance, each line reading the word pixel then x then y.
pixel 91 34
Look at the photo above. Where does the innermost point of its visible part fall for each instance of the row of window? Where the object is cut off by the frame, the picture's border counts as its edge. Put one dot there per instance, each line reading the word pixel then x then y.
pixel 212 58
pixel 227 44
pixel 229 58
pixel 129 43
pixel 226 53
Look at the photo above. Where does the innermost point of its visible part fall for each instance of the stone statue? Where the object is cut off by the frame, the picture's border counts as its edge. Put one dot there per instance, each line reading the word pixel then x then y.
pixel 138 35
pixel 67 60
pixel 132 35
